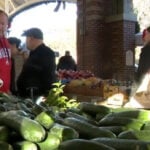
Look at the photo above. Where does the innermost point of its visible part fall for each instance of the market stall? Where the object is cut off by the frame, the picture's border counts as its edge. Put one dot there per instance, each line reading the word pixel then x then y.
pixel 85 86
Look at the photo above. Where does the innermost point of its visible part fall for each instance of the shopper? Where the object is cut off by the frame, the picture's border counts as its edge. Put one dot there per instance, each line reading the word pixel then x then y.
pixel 5 55
pixel 38 72
pixel 141 95
pixel 18 59
pixel 144 61
pixel 67 62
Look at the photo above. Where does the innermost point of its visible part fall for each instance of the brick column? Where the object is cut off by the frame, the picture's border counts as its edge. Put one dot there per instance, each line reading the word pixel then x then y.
pixel 121 24
pixel 90 31
pixel 105 34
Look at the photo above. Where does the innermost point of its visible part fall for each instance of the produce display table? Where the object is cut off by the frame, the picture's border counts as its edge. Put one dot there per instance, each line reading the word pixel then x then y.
pixel 84 86
pixel 103 94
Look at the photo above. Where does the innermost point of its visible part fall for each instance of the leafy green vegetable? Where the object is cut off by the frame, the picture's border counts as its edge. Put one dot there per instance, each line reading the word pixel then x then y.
pixel 56 97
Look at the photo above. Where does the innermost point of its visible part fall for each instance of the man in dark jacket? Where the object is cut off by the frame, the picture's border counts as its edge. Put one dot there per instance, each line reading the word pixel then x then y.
pixel 144 61
pixel 38 72
pixel 67 62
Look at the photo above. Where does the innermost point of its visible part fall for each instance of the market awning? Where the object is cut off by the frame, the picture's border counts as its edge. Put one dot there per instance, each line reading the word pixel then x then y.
pixel 13 7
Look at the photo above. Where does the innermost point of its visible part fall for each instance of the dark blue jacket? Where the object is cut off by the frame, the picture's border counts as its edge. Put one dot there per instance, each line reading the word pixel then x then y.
pixel 67 63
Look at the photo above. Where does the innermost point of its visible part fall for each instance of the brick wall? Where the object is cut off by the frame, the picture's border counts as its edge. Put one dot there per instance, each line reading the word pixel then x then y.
pixel 120 39
pixel 101 45
pixel 129 44
pixel 90 41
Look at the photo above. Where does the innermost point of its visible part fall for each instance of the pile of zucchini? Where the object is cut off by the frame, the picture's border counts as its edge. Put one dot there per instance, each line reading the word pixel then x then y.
pixel 26 125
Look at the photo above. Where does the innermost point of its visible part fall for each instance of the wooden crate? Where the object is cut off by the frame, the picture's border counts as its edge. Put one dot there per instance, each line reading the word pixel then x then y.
pixel 84 90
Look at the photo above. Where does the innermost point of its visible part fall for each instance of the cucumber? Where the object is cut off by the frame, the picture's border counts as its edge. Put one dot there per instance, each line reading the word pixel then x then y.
pixel 124 144
pixel 14 137
pixel 129 123
pixel 140 114
pixel 64 132
pixel 80 117
pixel 143 135
pixel 93 109
pixel 29 103
pixel 146 126
pixel 5 146
pixel 2 108
pixel 82 144
pixel 17 112
pixel 51 142
pixel 122 109
pixel 25 145
pixel 115 129
pixel 29 129
pixel 37 109
pixel 23 107
pixel 46 119
pixel 7 98
pixel 87 130
pixel 9 106
pixel 61 114
pixel 74 110
pixel 99 116
pixel 4 133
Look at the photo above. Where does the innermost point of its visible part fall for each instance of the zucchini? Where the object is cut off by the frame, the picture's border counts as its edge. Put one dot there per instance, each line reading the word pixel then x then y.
pixel 46 119
pixel 51 142
pixel 87 130
pixel 25 145
pixel 93 109
pixel 5 146
pixel 29 129
pixel 82 144
pixel 143 135
pixel 124 144
pixel 129 123
pixel 140 114
pixel 64 132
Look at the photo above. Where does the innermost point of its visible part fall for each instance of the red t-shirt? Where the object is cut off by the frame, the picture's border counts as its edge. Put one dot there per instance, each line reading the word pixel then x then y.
pixel 5 65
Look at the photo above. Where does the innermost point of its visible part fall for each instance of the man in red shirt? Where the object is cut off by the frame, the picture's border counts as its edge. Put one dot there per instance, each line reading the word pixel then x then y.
pixel 5 55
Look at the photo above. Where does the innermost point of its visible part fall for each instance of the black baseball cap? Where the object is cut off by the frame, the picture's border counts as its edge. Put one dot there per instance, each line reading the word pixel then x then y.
pixel 14 40
pixel 33 32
